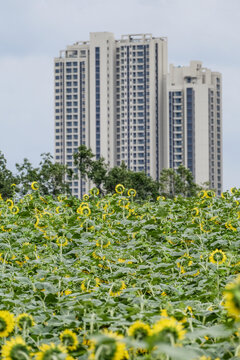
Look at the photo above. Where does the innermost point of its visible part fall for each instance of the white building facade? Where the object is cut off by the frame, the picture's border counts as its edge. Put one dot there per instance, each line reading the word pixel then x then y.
pixel 195 122
pixel 110 95
pixel 117 98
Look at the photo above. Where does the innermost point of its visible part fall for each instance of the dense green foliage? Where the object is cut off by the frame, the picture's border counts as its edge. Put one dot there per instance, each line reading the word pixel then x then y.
pixel 6 178
pixel 171 183
pixel 49 175
pixel 107 263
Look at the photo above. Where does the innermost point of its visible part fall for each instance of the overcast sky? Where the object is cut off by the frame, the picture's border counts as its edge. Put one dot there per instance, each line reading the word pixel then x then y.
pixel 33 31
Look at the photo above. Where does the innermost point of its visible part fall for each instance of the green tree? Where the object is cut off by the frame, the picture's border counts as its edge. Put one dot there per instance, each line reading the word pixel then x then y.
pixel 178 182
pixel 106 179
pixel 143 184
pixel 6 179
pixel 94 170
pixel 49 175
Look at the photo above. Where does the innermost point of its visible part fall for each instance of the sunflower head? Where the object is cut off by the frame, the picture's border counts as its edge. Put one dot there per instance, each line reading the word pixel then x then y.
pixel 117 288
pixel 94 191
pixel 51 352
pixel 119 189
pixel 109 346
pixel 9 203
pixel 139 330
pixel 15 349
pixel 90 285
pixel 61 241
pixel 131 192
pixel 85 197
pixel 35 185
pixel 217 257
pixel 195 211
pixel 103 242
pixel 168 329
pixel 14 210
pixel 232 298
pixel 85 210
pixel 210 194
pixel 25 321
pixel 69 339
pixel 6 323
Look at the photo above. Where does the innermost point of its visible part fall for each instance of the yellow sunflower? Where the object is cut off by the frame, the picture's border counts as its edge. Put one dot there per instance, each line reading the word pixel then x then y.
pixel 131 192
pixel 217 257
pixel 51 351
pixel 140 331
pixel 94 191
pixel 15 349
pixel 90 285
pixel 62 241
pixel 9 203
pixel 35 185
pixel 14 210
pixel 232 298
pixel 233 190
pixel 85 197
pixel 6 323
pixel 69 339
pixel 117 289
pixel 103 242
pixel 24 320
pixel 167 328
pixel 195 211
pixel 119 189
pixel 110 347
pixel 85 211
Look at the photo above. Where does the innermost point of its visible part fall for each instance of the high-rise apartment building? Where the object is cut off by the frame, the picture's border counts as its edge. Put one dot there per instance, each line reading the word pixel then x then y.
pixel 195 122
pixel 117 98
pixel 110 95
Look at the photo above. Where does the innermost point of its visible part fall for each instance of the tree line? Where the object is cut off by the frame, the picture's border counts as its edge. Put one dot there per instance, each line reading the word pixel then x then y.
pixel 53 177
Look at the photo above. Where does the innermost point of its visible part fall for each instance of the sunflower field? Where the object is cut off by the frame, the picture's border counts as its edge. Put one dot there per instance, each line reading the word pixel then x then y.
pixel 111 278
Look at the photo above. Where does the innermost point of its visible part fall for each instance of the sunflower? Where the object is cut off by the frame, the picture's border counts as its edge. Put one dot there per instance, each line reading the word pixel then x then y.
pixel 232 298
pixel 167 328
pixel 85 211
pixel 24 321
pixel 6 323
pixel 233 190
pixel 15 349
pixel 52 351
pixel 35 185
pixel 117 289
pixel 61 241
pixel 103 242
pixel 90 285
pixel 205 227
pixel 14 210
pixel 109 347
pixel 195 211
pixel 9 203
pixel 131 192
pixel 124 203
pixel 69 339
pixel 229 226
pixel 85 197
pixel 202 194
pixel 119 188
pixel 94 191
pixel 210 194
pixel 140 331
pixel 217 257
